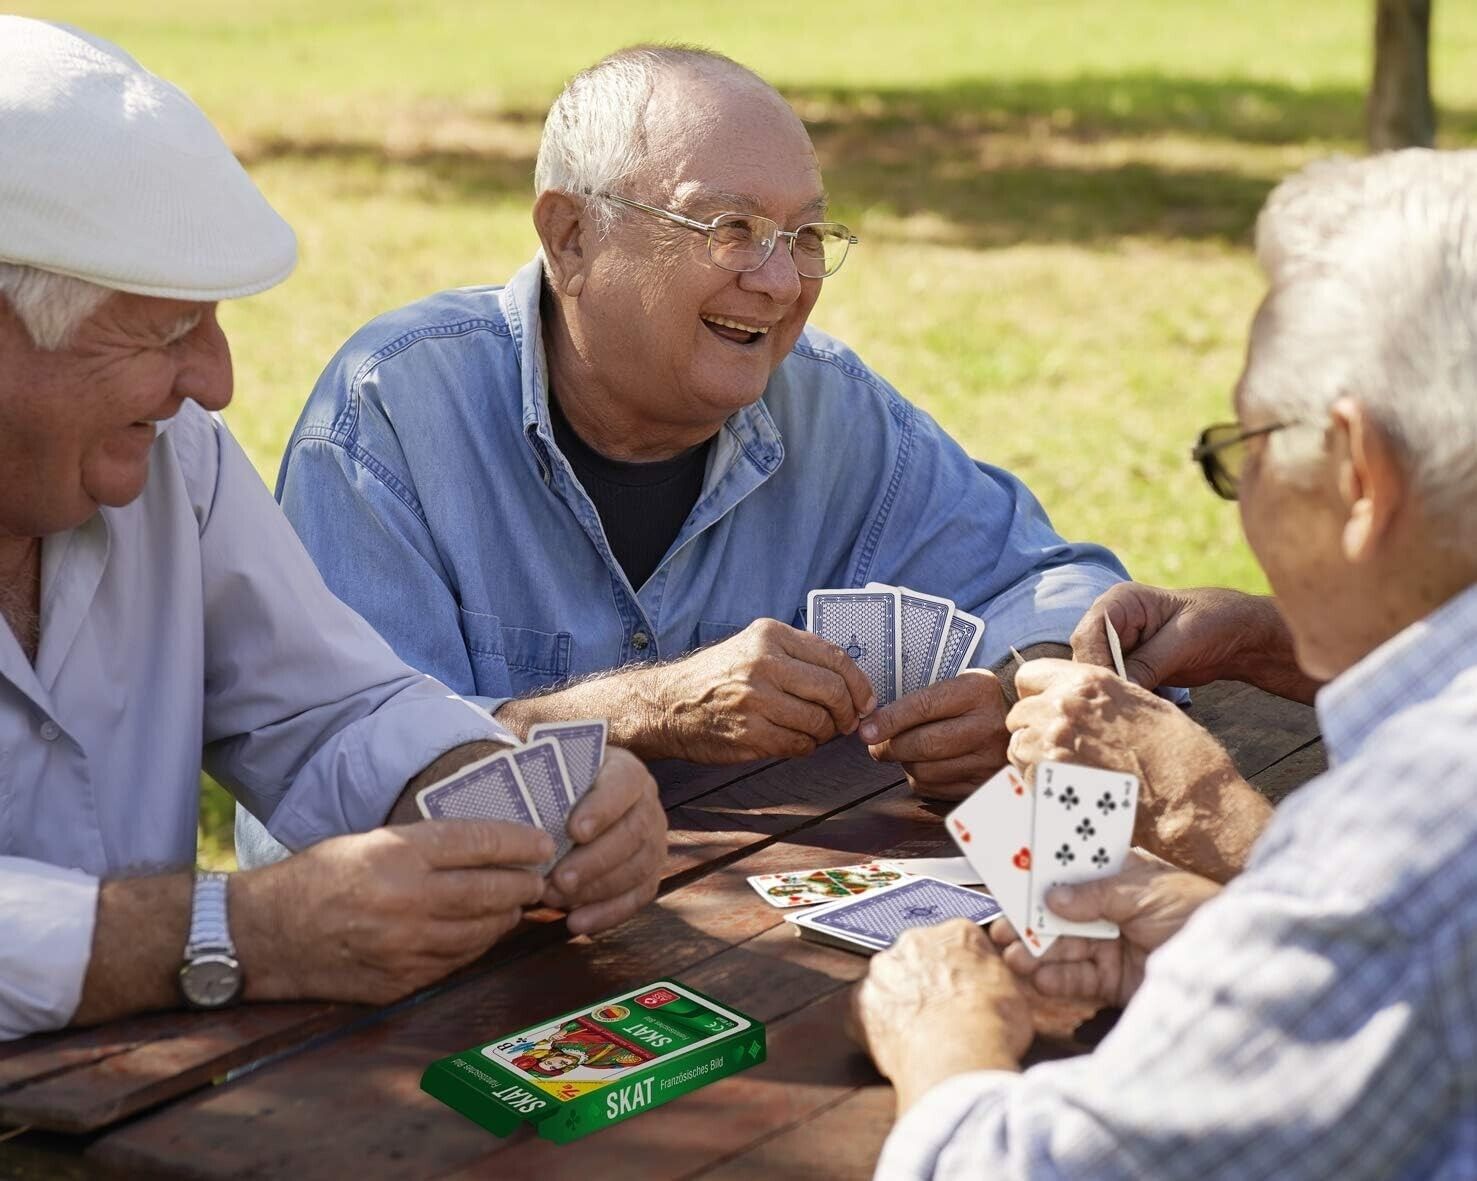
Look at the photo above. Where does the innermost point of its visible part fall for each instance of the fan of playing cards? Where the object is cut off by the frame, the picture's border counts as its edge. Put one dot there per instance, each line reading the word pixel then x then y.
pixel 1074 825
pixel 537 783
pixel 901 638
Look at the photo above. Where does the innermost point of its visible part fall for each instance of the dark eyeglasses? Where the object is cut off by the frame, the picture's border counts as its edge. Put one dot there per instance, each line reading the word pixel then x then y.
pixel 1221 454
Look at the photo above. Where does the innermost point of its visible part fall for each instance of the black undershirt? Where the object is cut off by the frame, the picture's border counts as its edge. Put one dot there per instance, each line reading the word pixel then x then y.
pixel 642 506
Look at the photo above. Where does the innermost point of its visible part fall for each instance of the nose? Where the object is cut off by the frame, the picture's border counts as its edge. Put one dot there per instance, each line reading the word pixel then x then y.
pixel 204 374
pixel 777 278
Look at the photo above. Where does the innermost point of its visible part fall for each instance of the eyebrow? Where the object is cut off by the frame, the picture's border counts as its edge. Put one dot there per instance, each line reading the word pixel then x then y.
pixel 752 202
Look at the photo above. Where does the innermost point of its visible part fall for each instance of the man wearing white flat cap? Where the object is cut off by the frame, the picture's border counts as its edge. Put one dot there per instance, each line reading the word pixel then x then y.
pixel 155 602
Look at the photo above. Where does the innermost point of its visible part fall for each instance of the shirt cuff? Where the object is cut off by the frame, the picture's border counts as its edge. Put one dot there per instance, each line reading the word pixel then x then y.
pixel 351 785
pixel 47 915
pixel 1042 609
pixel 918 1140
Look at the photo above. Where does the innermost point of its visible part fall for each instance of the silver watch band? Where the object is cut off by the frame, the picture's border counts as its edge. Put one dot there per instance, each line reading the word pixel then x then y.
pixel 209 927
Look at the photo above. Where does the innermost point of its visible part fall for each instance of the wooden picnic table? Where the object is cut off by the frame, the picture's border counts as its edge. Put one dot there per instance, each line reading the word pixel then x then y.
pixel 332 1091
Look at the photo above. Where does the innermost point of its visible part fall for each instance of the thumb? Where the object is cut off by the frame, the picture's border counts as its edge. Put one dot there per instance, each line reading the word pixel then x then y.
pixel 1105 898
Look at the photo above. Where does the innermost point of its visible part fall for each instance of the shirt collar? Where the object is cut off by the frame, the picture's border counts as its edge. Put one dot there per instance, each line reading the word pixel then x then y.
pixel 1408 669
pixel 753 427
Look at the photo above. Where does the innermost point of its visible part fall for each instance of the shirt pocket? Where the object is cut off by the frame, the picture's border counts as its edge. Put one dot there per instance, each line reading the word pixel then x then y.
pixel 509 660
pixel 713 631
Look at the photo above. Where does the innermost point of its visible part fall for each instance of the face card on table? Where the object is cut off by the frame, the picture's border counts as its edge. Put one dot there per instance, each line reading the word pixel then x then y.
pixel 488 789
pixel 993 830
pixel 1083 827
pixel 962 639
pixel 924 628
pixel 806 887
pixel 583 746
pixel 866 625
pixel 877 920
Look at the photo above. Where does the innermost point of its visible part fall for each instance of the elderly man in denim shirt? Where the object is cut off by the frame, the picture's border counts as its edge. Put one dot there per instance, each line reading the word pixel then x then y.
pixel 606 487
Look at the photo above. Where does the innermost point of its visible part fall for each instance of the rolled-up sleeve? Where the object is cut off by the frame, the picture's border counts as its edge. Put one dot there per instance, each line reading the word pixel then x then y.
pixel 46 919
pixel 310 718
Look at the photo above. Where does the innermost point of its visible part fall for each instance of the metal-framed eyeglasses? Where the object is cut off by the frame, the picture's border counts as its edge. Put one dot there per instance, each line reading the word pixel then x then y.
pixel 1221 453
pixel 744 241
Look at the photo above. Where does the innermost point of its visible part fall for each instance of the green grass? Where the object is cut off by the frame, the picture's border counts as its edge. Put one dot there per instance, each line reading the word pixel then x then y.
pixel 1055 199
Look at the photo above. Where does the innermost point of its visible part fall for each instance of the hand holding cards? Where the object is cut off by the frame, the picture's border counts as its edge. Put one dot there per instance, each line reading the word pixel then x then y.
pixel 537 783
pixel 1074 825
pixel 902 639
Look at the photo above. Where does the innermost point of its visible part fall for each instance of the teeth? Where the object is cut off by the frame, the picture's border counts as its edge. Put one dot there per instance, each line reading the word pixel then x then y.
pixel 724 322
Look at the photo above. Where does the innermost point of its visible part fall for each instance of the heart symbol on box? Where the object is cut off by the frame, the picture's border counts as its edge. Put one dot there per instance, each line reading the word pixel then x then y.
pixel 1022 860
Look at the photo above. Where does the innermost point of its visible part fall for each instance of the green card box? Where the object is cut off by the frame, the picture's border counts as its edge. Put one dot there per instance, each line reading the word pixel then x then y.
pixel 585 1070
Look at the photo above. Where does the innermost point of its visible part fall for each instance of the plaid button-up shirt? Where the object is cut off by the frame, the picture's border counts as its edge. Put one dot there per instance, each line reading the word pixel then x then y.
pixel 1318 1019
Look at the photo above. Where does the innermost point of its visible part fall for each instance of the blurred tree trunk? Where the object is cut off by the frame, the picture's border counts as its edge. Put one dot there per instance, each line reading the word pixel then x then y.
pixel 1400 113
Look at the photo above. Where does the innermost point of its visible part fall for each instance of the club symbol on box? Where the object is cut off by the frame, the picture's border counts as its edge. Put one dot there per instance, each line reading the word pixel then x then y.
pixel 1085 829
pixel 1070 799
pixel 1106 803
pixel 1065 855
pixel 1100 858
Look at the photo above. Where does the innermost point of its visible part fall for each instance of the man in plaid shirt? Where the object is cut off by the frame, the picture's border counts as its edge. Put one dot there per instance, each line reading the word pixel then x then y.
pixel 1317 1016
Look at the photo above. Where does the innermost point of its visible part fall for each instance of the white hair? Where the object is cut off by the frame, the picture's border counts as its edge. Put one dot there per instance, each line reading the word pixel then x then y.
pixel 595 134
pixel 1372 266
pixel 50 307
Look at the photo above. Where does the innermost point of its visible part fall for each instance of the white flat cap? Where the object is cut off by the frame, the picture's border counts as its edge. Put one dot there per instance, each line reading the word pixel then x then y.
pixel 108 173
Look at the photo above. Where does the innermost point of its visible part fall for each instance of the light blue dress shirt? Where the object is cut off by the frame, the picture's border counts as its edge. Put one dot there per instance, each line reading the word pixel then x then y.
pixel 189 618
pixel 1317 1021
pixel 424 479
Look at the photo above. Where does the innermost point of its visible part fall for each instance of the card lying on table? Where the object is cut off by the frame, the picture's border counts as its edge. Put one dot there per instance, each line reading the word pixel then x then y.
pixel 806 887
pixel 874 923
pixel 1075 825
pixel 584 1070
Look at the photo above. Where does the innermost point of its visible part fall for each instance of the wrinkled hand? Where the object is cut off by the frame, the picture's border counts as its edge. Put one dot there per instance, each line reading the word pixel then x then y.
pixel 1193 637
pixel 1194 807
pixel 771 690
pixel 940 1002
pixel 949 737
pixel 1149 900
pixel 620 832
pixel 373 916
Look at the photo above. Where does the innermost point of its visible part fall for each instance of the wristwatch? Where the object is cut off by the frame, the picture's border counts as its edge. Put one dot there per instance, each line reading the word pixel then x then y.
pixel 211 976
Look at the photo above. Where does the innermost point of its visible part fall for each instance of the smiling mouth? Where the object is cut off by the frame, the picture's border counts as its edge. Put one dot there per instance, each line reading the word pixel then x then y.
pixel 734 330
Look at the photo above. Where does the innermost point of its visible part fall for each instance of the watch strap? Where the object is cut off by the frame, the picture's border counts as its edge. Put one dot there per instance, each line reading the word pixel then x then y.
pixel 209 925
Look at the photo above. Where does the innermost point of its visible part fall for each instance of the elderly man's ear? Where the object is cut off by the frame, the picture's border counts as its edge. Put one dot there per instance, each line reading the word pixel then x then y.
pixel 1372 481
pixel 559 220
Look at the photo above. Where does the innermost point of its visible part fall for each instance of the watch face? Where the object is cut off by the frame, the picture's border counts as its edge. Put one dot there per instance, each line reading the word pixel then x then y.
pixel 210 981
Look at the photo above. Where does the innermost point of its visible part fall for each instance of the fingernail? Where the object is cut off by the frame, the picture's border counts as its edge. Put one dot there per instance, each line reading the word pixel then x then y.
pixel 869 731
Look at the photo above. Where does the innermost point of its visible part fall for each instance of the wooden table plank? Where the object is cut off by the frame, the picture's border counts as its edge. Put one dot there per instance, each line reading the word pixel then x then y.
pixel 1291 771
pixel 1256 727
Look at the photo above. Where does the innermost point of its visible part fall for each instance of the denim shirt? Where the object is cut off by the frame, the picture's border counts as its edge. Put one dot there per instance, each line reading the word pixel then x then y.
pixel 424 479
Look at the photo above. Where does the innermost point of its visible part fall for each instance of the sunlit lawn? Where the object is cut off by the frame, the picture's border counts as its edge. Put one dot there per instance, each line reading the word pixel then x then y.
pixel 1055 199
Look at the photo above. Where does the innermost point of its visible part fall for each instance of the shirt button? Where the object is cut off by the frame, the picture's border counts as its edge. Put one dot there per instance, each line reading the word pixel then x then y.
pixel 640 641
pixel 50 730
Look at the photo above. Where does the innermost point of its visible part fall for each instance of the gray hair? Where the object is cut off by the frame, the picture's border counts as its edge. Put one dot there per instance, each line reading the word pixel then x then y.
pixel 1372 266
pixel 595 135
pixel 50 307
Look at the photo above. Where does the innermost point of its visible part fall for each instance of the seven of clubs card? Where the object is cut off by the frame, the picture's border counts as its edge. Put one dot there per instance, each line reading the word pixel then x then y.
pixel 1074 825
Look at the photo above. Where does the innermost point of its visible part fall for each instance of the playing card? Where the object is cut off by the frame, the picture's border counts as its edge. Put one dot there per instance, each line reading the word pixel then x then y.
pixel 1082 830
pixel 546 780
pixel 875 922
pixel 962 639
pixel 806 887
pixel 583 746
pixel 957 871
pixel 1115 647
pixel 924 627
pixel 993 830
pixel 488 789
pixel 866 625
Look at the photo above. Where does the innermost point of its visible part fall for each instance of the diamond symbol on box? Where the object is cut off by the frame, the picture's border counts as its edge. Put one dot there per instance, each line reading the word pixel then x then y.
pixel 1100 858
pixel 1085 829
pixel 1070 799
pixel 1106 803
pixel 855 649
pixel 1065 855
